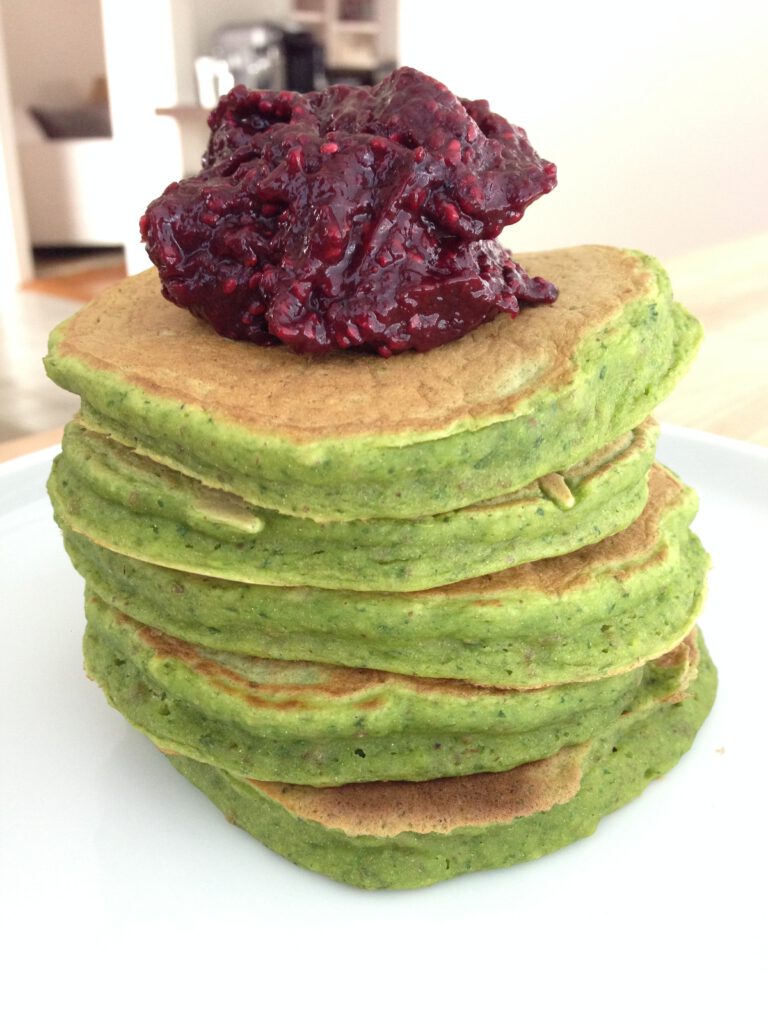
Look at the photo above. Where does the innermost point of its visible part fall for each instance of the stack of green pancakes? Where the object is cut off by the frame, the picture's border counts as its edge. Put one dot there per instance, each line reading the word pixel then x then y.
pixel 400 619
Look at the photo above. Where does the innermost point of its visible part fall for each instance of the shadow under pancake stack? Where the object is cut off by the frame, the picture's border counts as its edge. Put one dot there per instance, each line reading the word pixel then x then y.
pixel 400 619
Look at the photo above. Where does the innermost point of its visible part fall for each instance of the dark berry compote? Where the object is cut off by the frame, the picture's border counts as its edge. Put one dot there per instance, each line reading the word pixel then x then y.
pixel 356 218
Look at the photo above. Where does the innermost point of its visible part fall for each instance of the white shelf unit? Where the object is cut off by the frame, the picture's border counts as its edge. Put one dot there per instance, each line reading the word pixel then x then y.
pixel 357 35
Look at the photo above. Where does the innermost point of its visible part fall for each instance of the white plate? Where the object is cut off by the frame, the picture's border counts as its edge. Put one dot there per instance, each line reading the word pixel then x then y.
pixel 124 889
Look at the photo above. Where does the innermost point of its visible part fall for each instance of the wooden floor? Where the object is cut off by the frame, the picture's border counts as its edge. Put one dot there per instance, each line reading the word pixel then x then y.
pixel 726 390
pixel 29 402
pixel 81 285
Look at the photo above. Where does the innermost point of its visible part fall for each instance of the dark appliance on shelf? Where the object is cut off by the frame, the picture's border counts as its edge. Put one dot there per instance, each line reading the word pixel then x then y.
pixel 264 55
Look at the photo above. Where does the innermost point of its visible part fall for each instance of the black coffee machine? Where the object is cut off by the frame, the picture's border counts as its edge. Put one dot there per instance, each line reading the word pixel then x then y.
pixel 269 56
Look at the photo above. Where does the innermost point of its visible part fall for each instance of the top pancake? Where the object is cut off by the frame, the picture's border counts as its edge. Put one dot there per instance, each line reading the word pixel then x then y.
pixel 131 331
pixel 354 436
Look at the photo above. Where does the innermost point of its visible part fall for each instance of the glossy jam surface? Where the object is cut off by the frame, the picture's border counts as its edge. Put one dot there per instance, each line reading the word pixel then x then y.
pixel 356 218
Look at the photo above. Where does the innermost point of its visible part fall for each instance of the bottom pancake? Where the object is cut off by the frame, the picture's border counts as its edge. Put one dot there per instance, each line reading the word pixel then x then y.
pixel 401 835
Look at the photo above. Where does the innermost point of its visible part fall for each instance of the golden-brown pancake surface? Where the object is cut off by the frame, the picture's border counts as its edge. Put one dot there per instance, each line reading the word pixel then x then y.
pixel 354 435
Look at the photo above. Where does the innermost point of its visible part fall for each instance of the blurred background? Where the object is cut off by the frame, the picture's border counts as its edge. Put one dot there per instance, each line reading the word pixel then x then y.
pixel 655 114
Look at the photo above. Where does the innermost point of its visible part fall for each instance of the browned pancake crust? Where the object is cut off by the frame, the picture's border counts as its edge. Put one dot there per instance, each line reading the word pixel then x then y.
pixel 443 805
pixel 340 681
pixel 440 805
pixel 484 376
pixel 554 576
pixel 686 657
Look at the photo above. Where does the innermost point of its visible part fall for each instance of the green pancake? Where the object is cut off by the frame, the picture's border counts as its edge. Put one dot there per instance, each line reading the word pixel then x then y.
pixel 308 723
pixel 401 835
pixel 127 503
pixel 599 611
pixel 350 436
pixel 363 604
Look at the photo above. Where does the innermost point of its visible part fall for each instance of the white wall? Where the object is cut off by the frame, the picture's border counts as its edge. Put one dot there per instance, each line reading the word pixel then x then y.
pixel 150 49
pixel 15 261
pixel 655 113
pixel 54 50
pixel 53 54
pixel 141 63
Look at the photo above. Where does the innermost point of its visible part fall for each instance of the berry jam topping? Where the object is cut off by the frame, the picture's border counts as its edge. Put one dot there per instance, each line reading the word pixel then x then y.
pixel 356 218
